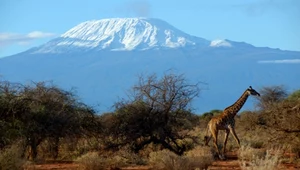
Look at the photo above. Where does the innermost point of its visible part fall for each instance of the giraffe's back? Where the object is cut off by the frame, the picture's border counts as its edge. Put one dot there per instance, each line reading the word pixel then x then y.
pixel 221 122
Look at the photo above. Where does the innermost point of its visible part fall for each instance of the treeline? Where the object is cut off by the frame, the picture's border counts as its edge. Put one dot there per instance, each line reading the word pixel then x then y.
pixel 157 112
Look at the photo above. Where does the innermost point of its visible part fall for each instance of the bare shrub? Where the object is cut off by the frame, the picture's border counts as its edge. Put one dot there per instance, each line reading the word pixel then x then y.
pixel 270 96
pixel 157 111
pixel 10 158
pixel 254 159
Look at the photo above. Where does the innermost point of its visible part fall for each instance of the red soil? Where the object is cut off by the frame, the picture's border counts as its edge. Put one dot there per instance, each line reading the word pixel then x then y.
pixel 231 163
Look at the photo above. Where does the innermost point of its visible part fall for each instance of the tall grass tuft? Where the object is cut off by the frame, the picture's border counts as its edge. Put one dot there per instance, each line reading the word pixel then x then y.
pixel 253 159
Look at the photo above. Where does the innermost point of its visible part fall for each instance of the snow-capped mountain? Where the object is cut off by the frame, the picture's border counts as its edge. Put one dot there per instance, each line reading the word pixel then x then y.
pixel 103 58
pixel 122 34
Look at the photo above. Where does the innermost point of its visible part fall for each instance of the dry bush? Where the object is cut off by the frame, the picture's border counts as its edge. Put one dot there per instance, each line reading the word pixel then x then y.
pixel 198 158
pixel 254 159
pixel 70 148
pixel 118 159
pixel 92 161
pixel 10 158
pixel 167 160
pixel 130 158
pixel 248 153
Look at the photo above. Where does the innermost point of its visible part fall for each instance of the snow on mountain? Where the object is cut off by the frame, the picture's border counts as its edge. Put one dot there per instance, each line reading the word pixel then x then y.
pixel 220 43
pixel 122 34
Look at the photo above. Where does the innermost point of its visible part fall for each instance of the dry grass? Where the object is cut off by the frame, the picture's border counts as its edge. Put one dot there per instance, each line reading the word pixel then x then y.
pixel 118 159
pixel 257 159
pixel 167 160
pixel 198 158
pixel 10 158
pixel 92 161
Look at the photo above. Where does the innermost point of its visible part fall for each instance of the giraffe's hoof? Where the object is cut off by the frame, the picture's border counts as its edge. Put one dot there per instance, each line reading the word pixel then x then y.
pixel 222 157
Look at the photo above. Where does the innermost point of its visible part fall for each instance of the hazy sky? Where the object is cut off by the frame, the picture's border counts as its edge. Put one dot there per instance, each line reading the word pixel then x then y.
pixel 273 23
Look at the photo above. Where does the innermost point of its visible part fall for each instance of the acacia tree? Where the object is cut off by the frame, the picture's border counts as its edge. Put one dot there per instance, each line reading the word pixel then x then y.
pixel 284 115
pixel 43 112
pixel 10 109
pixel 271 96
pixel 157 111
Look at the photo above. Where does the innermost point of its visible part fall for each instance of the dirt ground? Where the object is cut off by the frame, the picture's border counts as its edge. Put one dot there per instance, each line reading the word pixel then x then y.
pixel 231 163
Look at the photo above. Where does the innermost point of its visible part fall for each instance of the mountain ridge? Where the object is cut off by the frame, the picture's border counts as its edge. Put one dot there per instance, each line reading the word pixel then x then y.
pixel 102 76
pixel 122 34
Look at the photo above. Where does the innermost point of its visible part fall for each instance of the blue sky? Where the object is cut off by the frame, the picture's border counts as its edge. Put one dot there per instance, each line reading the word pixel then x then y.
pixel 272 23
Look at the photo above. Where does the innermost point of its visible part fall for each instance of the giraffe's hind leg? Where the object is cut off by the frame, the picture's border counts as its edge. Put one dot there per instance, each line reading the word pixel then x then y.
pixel 207 139
pixel 215 139
pixel 225 142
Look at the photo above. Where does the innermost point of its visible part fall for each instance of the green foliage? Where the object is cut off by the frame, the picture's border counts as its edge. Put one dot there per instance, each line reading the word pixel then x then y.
pixel 295 96
pixel 210 114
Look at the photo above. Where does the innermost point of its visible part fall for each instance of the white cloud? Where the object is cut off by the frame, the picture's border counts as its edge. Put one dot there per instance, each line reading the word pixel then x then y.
pixel 39 34
pixel 261 7
pixel 287 61
pixel 22 39
pixel 138 8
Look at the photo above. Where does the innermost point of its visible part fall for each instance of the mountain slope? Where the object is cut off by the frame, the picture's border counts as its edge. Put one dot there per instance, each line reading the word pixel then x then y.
pixel 103 75
pixel 121 34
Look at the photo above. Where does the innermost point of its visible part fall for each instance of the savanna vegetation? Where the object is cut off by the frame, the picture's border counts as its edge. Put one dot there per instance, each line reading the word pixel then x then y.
pixel 155 126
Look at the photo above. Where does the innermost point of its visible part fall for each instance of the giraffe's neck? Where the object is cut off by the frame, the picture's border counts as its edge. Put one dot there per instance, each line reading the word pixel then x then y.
pixel 235 108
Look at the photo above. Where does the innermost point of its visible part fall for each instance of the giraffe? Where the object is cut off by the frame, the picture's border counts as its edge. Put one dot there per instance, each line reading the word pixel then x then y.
pixel 225 121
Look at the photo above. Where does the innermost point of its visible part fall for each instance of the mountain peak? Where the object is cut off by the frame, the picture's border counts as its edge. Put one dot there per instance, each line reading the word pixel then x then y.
pixel 122 34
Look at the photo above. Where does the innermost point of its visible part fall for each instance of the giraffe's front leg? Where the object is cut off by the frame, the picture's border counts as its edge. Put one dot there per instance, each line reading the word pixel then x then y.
pixel 225 141
pixel 232 131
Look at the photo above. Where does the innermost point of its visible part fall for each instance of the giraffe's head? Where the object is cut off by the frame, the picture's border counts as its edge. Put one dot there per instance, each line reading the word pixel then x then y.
pixel 252 91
